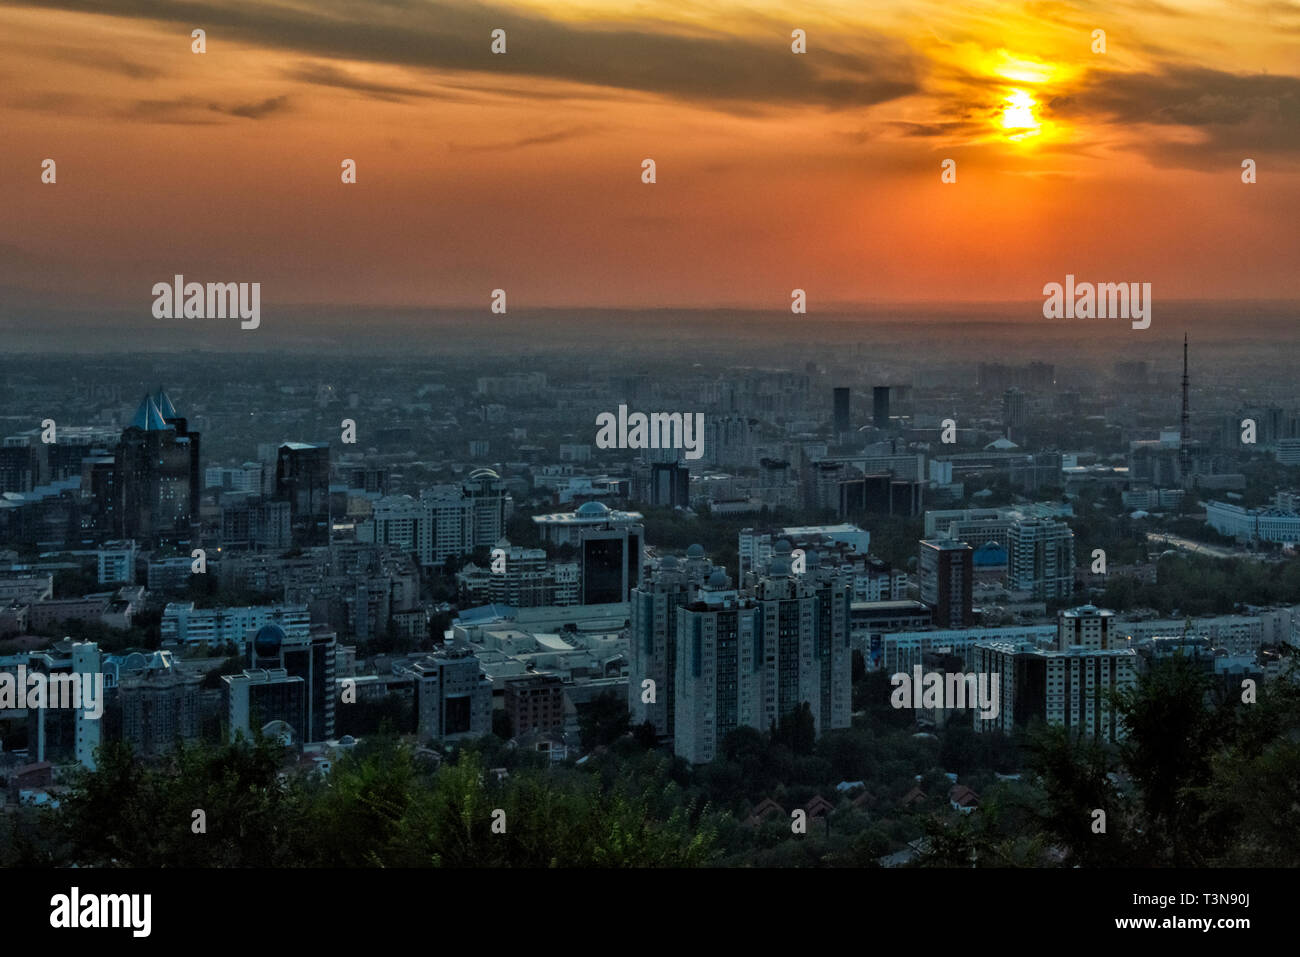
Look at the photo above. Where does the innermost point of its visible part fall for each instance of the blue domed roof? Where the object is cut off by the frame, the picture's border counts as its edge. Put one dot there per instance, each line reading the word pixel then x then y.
pixel 267 641
pixel 782 547
pixel 990 553
pixel 593 510
pixel 718 579
pixel 695 551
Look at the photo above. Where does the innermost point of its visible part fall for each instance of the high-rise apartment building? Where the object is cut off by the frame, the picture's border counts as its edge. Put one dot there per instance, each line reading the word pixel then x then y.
pixel 1040 558
pixel 749 658
pixel 1069 684
pixel 184 623
pixel 652 643
pixel 157 702
pixel 446 520
pixel 488 505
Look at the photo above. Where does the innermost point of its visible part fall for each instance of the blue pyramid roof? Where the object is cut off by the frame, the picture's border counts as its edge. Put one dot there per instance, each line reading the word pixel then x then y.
pixel 164 404
pixel 147 416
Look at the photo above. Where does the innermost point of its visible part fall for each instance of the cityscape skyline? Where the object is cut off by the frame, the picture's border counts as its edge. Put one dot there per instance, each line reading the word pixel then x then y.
pixel 569 434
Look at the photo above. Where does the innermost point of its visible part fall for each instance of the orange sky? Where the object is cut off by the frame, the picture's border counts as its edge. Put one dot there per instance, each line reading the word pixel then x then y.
pixel 775 170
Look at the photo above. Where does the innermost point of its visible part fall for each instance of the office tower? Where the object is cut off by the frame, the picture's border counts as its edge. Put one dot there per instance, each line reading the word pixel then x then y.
pixel 670 484
pixel 178 422
pixel 302 478
pixel 609 562
pixel 945 569
pixel 310 656
pixel 842 419
pixel 652 639
pixel 880 407
pixel 608 545
pixel 1040 558
pixel 1013 410
pixel 156 476
pixel 535 703
pixel 880 494
pixel 158 703
pixel 750 658
pixel 270 701
pixel 453 698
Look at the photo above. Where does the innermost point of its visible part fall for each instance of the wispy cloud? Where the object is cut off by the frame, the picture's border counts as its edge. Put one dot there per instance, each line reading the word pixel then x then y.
pixel 449 35
pixel 540 139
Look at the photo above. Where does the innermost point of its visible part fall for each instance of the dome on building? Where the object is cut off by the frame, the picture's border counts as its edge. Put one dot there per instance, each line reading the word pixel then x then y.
pixel 280 731
pixel 782 547
pixel 669 562
pixel 267 641
pixel 718 579
pixel 592 510
pixel 695 551
pixel 811 559
pixel 990 554
pixel 780 568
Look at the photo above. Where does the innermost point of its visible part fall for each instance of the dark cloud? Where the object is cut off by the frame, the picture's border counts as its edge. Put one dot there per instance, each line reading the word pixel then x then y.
pixel 1237 115
pixel 108 62
pixel 324 74
pixel 193 111
pixel 944 129
pixel 453 35
pixel 541 139
pixel 253 111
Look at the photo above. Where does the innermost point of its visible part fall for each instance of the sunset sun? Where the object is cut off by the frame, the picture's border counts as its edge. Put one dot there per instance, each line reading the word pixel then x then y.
pixel 1018 119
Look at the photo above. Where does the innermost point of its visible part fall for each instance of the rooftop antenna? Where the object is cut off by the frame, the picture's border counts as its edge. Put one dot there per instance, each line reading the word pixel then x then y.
pixel 1185 430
